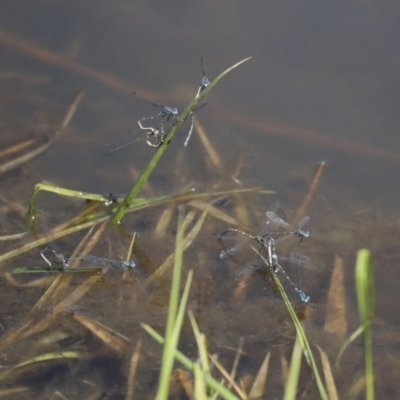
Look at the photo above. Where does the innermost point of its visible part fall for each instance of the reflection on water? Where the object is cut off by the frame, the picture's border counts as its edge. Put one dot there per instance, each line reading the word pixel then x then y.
pixel 321 86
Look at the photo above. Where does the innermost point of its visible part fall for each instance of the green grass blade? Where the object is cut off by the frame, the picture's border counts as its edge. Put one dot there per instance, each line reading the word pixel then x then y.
pixel 294 371
pixel 176 277
pixel 175 318
pixel 170 346
pixel 200 390
pixel 303 341
pixel 201 346
pixel 301 335
pixel 366 307
pixel 189 364
pixel 137 204
pixel 142 179
pixel 61 191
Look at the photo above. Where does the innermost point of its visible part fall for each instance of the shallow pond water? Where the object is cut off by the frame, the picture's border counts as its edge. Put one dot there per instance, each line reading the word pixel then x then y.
pixel 321 86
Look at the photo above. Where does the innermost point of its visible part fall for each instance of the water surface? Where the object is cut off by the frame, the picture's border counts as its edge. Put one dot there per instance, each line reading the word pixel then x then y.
pixel 321 86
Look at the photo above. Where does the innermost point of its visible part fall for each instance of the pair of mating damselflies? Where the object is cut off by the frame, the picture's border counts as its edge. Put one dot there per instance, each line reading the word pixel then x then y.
pixel 57 262
pixel 155 136
pixel 273 262
pixel 273 230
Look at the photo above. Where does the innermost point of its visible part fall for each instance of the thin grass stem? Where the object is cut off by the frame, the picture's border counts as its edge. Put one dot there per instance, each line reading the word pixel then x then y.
pixel 175 316
pixel 189 364
pixel 366 308
pixel 292 380
pixel 301 335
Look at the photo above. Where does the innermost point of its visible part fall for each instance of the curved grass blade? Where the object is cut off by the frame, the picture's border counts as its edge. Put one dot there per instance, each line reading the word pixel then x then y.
pixel 74 103
pixel 301 335
pixel 38 360
pixel 63 192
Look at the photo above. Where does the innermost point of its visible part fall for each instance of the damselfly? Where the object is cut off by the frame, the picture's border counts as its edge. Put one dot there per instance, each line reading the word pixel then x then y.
pixel 289 229
pixel 261 238
pixel 273 262
pixel 166 112
pixel 60 262
pixel 153 137
pixel 204 83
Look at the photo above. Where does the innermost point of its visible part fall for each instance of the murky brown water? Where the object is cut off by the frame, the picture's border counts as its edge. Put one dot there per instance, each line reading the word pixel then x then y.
pixel 321 86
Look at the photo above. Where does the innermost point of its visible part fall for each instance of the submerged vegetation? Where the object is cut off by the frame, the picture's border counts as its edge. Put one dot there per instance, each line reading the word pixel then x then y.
pixel 57 323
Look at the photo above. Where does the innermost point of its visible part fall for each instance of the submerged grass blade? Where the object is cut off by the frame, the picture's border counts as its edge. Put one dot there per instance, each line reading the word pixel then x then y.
pixel 258 386
pixel 209 148
pixel 330 382
pixel 186 243
pixel 185 380
pixel 111 338
pixel 65 305
pixel 201 344
pixel 164 220
pixel 335 314
pixel 12 391
pixel 40 149
pixel 40 270
pixel 310 194
pixel 62 282
pixel 132 371
pixel 239 390
pixel 16 147
pixel 139 204
pixel 236 360
pixel 43 358
pixel 43 241
pixel 39 282
pixel 144 175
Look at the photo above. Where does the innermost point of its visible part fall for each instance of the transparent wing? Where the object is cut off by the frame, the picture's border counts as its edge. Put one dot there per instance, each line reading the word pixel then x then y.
pixel 248 268
pixel 199 106
pixel 303 222
pixel 266 222
pixel 281 239
pixel 121 144
pixel 298 259
pixel 278 221
pixel 204 81
pixel 233 250
pixel 105 261
pixel 153 103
